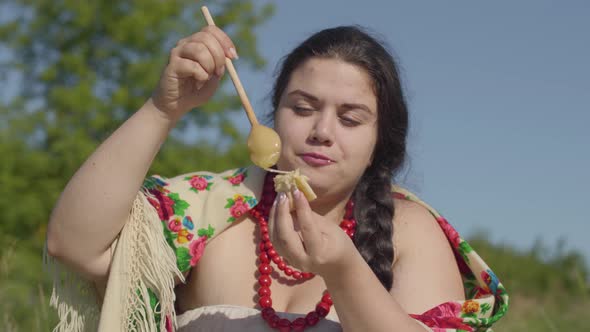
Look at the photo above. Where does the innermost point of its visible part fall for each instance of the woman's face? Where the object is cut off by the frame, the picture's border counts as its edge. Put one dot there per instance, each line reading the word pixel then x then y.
pixel 327 121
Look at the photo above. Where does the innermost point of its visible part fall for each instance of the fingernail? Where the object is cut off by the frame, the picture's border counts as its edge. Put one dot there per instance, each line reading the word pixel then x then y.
pixel 233 53
pixel 281 197
pixel 296 193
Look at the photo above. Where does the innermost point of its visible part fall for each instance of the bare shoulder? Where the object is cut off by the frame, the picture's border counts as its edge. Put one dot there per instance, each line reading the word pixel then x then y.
pixel 413 222
pixel 406 210
pixel 416 229
pixel 425 271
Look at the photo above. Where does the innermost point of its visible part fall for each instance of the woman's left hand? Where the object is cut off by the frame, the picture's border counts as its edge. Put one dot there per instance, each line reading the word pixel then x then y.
pixel 307 240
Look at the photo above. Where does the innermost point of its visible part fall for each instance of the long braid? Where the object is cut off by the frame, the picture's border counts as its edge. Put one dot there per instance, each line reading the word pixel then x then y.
pixel 374 210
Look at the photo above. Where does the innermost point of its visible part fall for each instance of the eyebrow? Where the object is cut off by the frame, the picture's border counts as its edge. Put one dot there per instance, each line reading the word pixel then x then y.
pixel 311 97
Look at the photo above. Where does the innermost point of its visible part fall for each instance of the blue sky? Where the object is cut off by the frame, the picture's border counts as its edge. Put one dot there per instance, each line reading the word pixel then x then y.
pixel 499 95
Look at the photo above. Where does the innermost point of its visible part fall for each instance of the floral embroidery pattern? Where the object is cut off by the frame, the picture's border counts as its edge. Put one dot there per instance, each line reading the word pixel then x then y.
pixel 175 225
pixel 167 204
pixel 237 177
pixel 155 183
pixel 179 205
pixel 444 316
pixel 470 307
pixel 179 228
pixel 187 222
pixel 208 232
pixel 179 232
pixel 199 182
pixel 238 205
pixel 451 233
pixel 484 308
pixel 184 236
pixel 486 299
pixel 157 188
pixel 196 249
pixel 491 280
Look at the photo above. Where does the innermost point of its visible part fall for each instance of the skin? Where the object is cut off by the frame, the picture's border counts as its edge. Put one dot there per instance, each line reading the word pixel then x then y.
pixel 424 276
pixel 82 228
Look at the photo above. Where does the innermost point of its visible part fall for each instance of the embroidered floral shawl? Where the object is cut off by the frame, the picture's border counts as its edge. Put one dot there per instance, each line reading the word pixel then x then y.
pixel 169 225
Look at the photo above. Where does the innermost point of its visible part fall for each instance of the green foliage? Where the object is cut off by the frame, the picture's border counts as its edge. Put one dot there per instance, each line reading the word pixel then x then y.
pixel 536 268
pixel 549 288
pixel 85 68
pixel 82 69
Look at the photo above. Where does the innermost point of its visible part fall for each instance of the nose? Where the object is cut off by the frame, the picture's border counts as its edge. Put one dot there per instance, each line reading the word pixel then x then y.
pixel 322 131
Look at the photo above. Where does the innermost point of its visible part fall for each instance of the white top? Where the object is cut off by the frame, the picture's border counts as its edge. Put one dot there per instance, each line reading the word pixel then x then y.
pixel 237 318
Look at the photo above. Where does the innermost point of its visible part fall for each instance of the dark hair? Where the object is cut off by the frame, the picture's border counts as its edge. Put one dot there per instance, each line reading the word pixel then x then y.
pixel 374 208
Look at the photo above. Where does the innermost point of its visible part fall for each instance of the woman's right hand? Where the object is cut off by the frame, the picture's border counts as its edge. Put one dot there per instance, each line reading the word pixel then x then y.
pixel 194 70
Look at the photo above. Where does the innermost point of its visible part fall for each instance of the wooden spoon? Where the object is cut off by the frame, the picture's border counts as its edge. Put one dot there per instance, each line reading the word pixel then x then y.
pixel 264 144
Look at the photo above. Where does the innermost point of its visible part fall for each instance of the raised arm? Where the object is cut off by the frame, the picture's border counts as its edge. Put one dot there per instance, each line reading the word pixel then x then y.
pixel 94 205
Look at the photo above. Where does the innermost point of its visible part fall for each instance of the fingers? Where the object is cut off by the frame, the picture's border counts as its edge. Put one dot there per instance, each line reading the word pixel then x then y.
pixel 309 230
pixel 199 52
pixel 271 218
pixel 205 49
pixel 208 47
pixel 229 49
pixel 224 40
pixel 283 233
pixel 188 68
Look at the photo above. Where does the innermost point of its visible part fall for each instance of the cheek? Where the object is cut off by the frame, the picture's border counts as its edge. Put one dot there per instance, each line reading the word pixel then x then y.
pixel 289 127
pixel 280 125
pixel 285 133
pixel 288 132
pixel 278 120
pixel 359 146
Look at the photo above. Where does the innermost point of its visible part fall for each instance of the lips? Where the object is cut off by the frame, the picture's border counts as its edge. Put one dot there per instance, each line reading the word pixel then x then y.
pixel 316 159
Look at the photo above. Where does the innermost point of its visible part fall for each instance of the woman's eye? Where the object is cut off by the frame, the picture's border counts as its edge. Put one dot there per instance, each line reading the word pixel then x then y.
pixel 349 122
pixel 302 110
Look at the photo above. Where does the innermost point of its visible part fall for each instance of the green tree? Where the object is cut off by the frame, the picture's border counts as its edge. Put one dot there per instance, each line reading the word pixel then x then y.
pixel 75 71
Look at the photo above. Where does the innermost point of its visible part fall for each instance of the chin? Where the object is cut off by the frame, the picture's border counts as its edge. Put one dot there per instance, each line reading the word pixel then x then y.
pixel 319 184
pixel 320 191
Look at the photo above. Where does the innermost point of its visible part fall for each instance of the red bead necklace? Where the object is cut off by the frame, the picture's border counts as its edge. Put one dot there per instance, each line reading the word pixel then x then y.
pixel 268 254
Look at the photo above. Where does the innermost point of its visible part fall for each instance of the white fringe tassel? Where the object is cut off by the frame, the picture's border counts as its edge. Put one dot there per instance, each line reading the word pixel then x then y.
pixel 147 261
pixel 73 297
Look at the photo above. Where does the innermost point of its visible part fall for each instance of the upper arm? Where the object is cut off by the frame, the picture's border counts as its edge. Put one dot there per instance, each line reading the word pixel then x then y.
pixel 425 273
pixel 101 269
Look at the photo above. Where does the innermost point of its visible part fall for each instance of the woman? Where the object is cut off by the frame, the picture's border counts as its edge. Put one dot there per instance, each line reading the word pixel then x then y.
pixel 342 118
